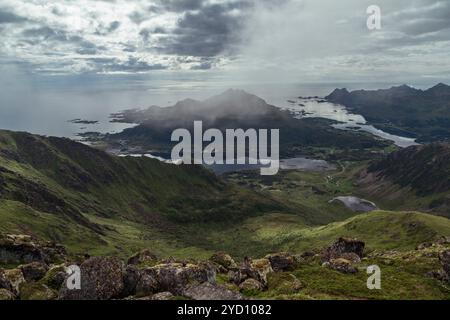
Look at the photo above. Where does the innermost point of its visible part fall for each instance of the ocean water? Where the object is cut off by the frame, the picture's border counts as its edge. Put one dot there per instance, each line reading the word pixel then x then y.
pixel 45 105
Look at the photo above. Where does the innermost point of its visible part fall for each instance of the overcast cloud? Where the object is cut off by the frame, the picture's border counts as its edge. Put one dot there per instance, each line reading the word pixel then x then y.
pixel 302 40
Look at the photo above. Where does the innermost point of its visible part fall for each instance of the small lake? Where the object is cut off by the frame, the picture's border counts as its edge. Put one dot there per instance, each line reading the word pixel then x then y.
pixel 319 108
pixel 356 204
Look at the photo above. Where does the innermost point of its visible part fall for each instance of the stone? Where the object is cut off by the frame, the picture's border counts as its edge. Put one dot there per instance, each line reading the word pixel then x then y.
pixel 210 291
pixel 101 279
pixel 224 260
pixel 6 295
pixel 251 285
pixel 281 262
pixel 342 246
pixel 143 257
pixel 147 282
pixel 444 258
pixel 342 265
pixel 15 278
pixel 34 271
pixel 4 282
pixel 16 249
pixel 175 277
pixel 55 276
pixel 131 278
pixel 254 269
pixel 36 291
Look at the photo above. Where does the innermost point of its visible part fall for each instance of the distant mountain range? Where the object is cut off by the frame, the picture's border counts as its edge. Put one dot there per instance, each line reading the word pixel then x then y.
pixel 231 110
pixel 403 110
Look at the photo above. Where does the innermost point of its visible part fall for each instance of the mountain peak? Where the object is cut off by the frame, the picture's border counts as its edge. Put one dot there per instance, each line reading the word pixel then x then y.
pixel 440 88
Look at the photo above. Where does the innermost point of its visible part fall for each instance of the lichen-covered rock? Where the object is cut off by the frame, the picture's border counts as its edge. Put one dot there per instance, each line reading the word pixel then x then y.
pixel 131 278
pixel 344 246
pixel 341 265
pixel 224 260
pixel 147 282
pixel 4 282
pixel 444 258
pixel 36 291
pixel 210 291
pixel 6 295
pixel 176 277
pixel 143 257
pixel 282 261
pixel 16 249
pixel 351 256
pixel 253 269
pixel 55 276
pixel 15 278
pixel 101 279
pixel 251 286
pixel 34 271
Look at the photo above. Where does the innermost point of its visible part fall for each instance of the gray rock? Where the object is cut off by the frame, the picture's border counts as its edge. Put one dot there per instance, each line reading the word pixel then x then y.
pixel 101 279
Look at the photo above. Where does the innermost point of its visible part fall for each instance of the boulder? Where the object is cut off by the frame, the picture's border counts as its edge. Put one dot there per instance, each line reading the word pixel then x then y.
pixel 17 249
pixel 282 262
pixel 210 291
pixel 4 282
pixel 101 279
pixel 351 256
pixel 341 265
pixel 175 277
pixel 344 246
pixel 253 269
pixel 34 271
pixel 131 278
pixel 162 296
pixel 224 260
pixel 15 278
pixel 444 258
pixel 147 282
pixel 251 286
pixel 23 249
pixel 55 276
pixel 36 291
pixel 143 257
pixel 6 295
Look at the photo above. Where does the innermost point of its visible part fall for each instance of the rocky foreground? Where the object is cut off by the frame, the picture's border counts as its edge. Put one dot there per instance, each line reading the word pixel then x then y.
pixel 36 270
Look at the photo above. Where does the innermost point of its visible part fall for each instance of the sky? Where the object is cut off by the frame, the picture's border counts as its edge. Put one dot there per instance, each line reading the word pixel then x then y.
pixel 241 40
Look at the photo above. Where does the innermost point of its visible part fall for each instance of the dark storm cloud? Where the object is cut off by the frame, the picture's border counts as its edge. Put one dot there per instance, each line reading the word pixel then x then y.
pixel 206 32
pixel 9 17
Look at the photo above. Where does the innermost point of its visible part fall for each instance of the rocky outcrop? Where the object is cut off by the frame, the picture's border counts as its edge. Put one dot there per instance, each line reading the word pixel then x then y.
pixel 101 279
pixel 252 269
pixel 224 260
pixel 23 249
pixel 343 254
pixel 251 285
pixel 15 278
pixel 444 258
pixel 34 271
pixel 282 261
pixel 6 295
pixel 341 265
pixel 344 246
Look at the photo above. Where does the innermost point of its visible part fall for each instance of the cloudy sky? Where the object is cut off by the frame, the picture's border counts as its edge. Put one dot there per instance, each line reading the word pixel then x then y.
pixel 294 40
